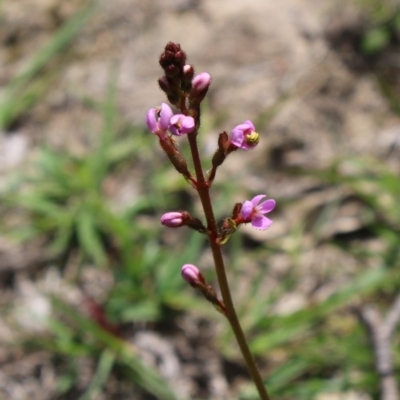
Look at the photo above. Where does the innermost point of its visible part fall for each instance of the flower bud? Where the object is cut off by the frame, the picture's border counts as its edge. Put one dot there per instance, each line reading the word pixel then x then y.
pixel 194 277
pixel 187 76
pixel 174 219
pixel 200 85
pixel 180 58
pixel 188 72
pixel 164 84
pixel 191 274
pixel 201 82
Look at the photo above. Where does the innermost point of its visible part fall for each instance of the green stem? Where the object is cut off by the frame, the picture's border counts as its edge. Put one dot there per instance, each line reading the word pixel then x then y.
pixel 203 188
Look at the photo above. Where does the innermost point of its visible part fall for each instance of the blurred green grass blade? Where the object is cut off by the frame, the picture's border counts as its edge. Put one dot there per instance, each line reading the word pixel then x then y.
pixel 286 328
pixel 36 203
pixel 52 163
pixel 101 375
pixel 16 97
pixel 280 378
pixel 89 237
pixel 309 389
pixel 99 159
pixel 147 378
pixel 283 375
pixel 14 105
pixel 121 150
pixel 142 375
pixel 146 310
pixel 65 382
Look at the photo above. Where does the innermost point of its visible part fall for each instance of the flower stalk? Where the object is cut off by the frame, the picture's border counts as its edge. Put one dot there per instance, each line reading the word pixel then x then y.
pixel 186 92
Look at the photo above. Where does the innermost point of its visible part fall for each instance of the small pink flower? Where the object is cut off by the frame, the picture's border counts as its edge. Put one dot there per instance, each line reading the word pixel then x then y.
pixel 158 119
pixel 244 136
pixel 252 211
pixel 181 124
pixel 201 81
pixel 173 219
pixel 192 275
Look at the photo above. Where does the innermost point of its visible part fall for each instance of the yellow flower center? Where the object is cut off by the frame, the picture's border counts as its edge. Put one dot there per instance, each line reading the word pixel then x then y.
pixel 252 139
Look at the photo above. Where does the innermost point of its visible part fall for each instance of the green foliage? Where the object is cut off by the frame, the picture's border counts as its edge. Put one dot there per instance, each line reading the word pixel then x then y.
pixel 375 40
pixel 383 18
pixel 112 353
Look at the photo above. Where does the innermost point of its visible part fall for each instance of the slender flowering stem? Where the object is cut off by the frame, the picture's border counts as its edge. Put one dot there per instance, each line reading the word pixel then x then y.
pixel 186 93
pixel 204 193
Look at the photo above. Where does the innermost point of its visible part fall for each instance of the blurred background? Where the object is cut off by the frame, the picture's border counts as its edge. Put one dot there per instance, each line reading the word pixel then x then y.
pixel 92 304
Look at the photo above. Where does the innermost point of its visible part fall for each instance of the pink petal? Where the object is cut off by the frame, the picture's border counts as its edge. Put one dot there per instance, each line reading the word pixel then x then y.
pixel 176 119
pixel 247 209
pixel 260 222
pixel 151 120
pixel 250 125
pixel 190 273
pixel 255 200
pixel 266 206
pixel 165 116
pixel 237 137
pixel 187 124
pixel 201 81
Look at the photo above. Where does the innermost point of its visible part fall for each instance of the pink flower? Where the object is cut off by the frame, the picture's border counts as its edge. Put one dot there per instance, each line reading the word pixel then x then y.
pixel 252 211
pixel 173 219
pixel 244 136
pixel 201 81
pixel 192 275
pixel 158 119
pixel 181 124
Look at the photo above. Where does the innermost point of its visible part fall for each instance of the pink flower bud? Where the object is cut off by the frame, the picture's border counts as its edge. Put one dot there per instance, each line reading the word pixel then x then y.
pixel 192 275
pixel 173 219
pixel 201 82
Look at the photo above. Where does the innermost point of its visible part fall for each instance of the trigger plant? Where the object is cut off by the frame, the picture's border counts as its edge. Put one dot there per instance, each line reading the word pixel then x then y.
pixel 185 91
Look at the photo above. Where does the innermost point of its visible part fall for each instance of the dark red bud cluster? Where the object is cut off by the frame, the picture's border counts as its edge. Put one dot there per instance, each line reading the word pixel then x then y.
pixel 178 74
pixel 183 89
pixel 172 60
